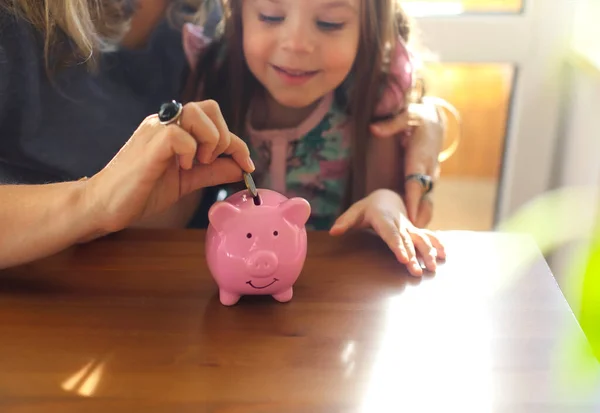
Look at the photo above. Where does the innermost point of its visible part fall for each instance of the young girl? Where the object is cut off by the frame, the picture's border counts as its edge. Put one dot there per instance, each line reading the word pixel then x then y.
pixel 301 81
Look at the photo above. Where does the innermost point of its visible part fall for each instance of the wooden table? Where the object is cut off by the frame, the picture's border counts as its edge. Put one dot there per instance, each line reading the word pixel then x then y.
pixel 133 323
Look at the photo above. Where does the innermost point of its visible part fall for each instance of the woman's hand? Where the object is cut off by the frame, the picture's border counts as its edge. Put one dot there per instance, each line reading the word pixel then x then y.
pixel 383 211
pixel 423 144
pixel 157 166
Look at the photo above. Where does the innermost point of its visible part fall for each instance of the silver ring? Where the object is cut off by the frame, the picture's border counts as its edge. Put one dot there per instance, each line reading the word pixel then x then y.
pixel 426 181
pixel 170 112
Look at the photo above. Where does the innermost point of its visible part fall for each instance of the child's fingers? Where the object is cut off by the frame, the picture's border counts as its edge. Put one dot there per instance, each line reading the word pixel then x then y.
pixel 390 234
pixel 426 249
pixel 348 219
pixel 437 243
pixel 413 264
pixel 404 258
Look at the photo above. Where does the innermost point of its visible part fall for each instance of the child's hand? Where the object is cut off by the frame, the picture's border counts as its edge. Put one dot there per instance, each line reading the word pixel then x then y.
pixel 384 211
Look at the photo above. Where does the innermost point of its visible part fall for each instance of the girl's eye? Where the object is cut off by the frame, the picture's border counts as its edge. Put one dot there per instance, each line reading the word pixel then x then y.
pixel 270 19
pixel 329 26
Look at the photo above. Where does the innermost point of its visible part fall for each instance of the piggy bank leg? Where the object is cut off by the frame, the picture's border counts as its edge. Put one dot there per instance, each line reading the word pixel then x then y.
pixel 228 298
pixel 284 296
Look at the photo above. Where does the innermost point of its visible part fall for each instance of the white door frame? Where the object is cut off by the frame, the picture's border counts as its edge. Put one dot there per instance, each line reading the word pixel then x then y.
pixel 535 41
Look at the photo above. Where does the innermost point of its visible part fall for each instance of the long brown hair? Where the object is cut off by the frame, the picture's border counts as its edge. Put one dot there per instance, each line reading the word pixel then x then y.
pixel 75 31
pixel 222 74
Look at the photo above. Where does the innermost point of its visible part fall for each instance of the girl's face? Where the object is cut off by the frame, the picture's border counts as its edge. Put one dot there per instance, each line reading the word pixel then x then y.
pixel 300 49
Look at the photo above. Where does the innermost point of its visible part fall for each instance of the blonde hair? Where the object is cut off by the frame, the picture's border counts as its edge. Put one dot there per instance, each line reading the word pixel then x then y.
pixel 87 27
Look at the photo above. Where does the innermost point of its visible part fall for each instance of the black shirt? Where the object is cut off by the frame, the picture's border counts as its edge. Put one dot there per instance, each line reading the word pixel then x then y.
pixel 72 126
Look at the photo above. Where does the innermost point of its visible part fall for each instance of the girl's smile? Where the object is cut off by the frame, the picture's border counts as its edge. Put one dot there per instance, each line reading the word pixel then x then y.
pixel 295 77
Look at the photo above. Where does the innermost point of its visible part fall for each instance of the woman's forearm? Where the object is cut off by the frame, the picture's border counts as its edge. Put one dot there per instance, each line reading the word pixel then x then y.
pixel 40 220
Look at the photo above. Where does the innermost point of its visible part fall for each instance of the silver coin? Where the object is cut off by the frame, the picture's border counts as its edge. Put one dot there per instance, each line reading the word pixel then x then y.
pixel 250 184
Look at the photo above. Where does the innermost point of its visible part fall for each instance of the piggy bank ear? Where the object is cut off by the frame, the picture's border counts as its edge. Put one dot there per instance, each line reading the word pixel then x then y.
pixel 220 213
pixel 296 211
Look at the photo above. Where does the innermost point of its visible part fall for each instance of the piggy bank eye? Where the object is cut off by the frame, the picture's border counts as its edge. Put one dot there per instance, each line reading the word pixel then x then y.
pixel 275 233
pixel 248 235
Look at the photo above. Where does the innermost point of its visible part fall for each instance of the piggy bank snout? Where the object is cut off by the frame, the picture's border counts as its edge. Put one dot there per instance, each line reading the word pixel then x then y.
pixel 262 263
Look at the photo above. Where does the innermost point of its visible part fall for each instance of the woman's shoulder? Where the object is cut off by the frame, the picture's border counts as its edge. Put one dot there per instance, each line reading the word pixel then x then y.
pixel 17 35
pixel 20 53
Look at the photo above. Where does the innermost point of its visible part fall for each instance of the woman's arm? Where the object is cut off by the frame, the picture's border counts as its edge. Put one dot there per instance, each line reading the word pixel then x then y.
pixel 141 181
pixel 40 220
pixel 35 220
pixel 416 129
pixel 394 156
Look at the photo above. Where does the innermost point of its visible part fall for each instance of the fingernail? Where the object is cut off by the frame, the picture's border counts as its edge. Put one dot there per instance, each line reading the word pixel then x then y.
pixel 337 229
pixel 251 164
pixel 417 269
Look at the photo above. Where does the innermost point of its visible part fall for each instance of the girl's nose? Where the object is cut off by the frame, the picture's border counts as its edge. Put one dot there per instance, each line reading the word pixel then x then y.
pixel 297 38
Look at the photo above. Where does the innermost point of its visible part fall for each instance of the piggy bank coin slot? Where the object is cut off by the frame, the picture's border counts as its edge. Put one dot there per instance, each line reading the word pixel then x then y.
pixel 257 200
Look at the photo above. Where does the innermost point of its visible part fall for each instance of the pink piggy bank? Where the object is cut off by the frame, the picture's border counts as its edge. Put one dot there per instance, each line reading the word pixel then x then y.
pixel 256 249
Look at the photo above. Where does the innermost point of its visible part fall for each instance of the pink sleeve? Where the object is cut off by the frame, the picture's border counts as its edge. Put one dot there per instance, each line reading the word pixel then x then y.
pixel 393 99
pixel 194 42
